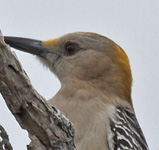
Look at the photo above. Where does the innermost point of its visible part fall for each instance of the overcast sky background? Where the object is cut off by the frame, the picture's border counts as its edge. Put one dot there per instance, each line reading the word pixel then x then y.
pixel 134 25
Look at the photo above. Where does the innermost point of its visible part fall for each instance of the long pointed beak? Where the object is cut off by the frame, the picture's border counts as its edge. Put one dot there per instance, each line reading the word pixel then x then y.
pixel 29 45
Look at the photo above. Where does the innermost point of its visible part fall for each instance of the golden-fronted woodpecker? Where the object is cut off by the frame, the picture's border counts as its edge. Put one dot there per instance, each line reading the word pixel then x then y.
pixel 95 92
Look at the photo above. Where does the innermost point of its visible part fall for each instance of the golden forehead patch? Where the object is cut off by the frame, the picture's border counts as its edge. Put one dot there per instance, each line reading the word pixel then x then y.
pixel 50 43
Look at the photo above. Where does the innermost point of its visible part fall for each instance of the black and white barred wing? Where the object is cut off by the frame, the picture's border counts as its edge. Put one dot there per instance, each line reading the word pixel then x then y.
pixel 126 133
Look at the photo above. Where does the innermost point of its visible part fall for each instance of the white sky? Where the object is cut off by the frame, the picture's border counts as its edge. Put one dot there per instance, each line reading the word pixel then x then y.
pixel 134 25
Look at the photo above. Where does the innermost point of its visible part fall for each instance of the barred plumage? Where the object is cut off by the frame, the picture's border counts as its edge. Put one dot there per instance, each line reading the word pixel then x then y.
pixel 126 132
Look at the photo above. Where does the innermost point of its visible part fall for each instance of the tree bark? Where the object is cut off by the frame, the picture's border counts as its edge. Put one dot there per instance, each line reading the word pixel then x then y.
pixel 4 142
pixel 47 127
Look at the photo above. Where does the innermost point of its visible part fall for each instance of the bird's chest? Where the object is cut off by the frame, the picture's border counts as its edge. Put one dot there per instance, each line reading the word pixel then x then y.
pixel 89 121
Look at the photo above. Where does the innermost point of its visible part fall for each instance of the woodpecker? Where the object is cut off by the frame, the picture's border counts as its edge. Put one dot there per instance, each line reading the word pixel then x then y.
pixel 95 93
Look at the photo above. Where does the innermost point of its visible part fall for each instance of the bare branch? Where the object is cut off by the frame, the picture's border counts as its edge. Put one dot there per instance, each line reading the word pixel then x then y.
pixel 46 125
pixel 4 143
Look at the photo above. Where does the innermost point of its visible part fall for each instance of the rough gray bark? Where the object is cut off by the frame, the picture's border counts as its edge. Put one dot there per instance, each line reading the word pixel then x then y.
pixel 4 142
pixel 47 127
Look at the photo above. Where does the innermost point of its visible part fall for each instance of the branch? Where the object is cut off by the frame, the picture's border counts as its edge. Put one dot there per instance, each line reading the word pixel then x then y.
pixel 4 143
pixel 46 126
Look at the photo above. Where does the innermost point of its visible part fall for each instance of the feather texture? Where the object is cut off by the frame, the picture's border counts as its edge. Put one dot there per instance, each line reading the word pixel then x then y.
pixel 126 132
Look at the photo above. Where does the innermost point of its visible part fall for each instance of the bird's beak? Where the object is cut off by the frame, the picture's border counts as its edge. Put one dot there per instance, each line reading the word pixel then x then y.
pixel 29 45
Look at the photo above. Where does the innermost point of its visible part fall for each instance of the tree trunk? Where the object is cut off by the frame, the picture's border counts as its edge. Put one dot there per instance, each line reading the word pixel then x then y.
pixel 47 127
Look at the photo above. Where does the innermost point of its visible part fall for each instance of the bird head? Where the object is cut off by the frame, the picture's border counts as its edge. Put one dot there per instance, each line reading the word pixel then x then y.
pixel 88 57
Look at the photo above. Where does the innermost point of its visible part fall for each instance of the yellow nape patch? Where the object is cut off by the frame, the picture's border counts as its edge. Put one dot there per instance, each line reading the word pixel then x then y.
pixel 50 43
pixel 123 61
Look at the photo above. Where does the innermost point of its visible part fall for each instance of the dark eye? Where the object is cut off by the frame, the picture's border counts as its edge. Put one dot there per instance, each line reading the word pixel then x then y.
pixel 71 48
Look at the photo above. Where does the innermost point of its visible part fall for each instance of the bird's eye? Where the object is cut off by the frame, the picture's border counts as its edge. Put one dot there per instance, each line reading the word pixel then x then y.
pixel 71 48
